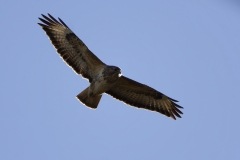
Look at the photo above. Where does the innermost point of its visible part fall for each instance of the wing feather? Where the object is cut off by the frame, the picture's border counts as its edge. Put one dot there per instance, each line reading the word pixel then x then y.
pixel 143 96
pixel 72 49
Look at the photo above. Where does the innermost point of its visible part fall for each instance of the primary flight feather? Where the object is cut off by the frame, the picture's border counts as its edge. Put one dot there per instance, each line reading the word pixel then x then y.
pixel 103 78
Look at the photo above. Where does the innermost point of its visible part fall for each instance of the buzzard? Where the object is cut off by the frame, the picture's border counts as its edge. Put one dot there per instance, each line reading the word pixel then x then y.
pixel 103 78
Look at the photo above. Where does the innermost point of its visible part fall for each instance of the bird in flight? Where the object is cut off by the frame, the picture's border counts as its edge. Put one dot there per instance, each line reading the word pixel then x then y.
pixel 103 78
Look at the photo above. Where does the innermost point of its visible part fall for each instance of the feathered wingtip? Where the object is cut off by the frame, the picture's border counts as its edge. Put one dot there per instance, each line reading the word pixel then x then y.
pixel 48 21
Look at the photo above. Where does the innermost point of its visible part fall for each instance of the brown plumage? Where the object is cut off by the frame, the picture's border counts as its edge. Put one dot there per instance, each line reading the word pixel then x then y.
pixel 103 78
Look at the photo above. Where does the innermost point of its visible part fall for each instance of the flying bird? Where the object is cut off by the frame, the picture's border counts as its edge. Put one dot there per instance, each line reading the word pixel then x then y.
pixel 103 78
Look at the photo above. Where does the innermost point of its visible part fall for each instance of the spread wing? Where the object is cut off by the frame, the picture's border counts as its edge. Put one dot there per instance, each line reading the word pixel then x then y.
pixel 72 49
pixel 143 96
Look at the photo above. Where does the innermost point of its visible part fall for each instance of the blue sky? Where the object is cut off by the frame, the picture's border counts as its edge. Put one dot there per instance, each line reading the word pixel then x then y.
pixel 188 50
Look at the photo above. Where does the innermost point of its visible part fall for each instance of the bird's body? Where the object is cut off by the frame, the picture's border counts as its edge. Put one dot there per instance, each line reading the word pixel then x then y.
pixel 103 78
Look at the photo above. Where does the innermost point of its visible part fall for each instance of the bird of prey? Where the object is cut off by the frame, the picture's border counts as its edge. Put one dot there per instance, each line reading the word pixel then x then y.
pixel 103 78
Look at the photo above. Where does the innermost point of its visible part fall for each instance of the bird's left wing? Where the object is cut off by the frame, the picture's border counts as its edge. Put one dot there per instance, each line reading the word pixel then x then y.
pixel 143 96
pixel 72 49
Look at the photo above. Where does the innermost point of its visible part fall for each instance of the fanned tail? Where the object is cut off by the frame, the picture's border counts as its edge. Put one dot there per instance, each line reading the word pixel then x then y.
pixel 89 101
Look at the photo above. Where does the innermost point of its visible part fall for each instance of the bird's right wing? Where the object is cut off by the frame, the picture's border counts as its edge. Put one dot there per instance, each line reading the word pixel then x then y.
pixel 143 96
pixel 72 49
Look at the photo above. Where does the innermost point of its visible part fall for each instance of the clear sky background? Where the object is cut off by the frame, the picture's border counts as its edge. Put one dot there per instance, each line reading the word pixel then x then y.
pixel 188 50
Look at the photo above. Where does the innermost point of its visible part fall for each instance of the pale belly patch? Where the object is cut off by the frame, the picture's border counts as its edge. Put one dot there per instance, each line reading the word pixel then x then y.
pixel 99 86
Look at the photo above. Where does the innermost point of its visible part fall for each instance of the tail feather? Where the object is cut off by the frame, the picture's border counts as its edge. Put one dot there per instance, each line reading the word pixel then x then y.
pixel 89 101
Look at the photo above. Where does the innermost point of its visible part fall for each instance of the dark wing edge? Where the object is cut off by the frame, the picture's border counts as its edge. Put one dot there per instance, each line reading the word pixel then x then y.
pixel 71 49
pixel 142 96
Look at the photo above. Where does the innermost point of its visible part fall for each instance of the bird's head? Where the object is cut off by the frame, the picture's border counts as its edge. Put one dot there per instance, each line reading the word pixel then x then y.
pixel 113 70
